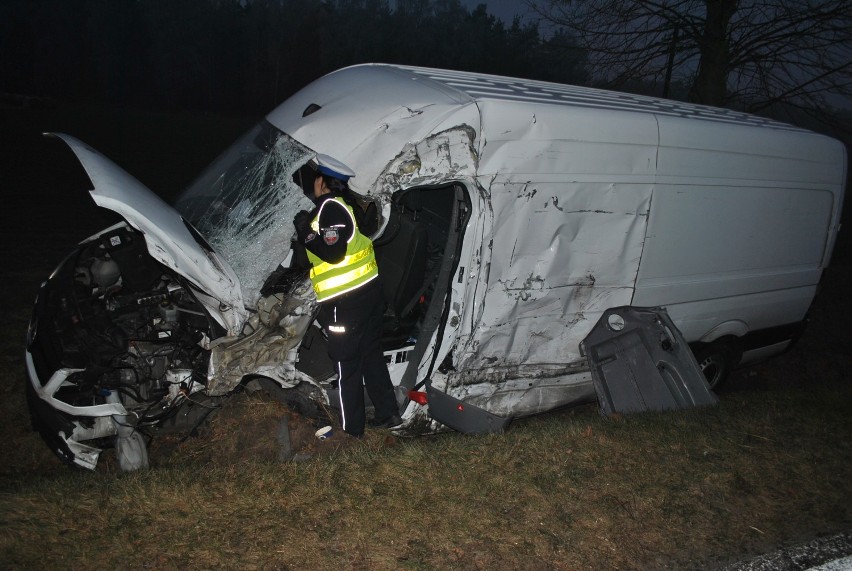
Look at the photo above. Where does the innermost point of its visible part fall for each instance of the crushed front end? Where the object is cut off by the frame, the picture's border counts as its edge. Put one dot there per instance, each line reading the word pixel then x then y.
pixel 116 340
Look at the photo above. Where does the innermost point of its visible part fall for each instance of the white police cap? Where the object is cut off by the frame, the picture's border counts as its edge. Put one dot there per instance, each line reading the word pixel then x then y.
pixel 330 166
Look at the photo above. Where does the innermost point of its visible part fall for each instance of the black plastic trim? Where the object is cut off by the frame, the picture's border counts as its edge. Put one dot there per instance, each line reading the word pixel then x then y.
pixel 461 416
pixel 772 335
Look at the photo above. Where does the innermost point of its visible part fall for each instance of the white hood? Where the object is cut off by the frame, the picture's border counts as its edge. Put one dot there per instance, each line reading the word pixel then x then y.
pixel 167 235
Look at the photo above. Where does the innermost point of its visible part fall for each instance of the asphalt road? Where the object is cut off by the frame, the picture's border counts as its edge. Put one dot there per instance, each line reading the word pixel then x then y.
pixel 832 553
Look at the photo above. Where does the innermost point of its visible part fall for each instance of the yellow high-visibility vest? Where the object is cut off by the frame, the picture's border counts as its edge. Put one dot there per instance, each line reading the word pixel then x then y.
pixel 356 268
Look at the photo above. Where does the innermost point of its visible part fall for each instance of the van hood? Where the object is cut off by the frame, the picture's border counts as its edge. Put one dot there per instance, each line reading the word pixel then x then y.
pixel 170 239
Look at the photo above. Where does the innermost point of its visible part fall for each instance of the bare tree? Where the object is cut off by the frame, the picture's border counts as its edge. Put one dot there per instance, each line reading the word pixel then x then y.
pixel 749 54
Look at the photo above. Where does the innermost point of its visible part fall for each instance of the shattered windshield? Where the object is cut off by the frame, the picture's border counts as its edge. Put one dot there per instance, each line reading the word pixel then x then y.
pixel 243 204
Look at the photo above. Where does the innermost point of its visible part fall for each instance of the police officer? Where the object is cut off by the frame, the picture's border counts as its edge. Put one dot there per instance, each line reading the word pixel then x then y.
pixel 344 275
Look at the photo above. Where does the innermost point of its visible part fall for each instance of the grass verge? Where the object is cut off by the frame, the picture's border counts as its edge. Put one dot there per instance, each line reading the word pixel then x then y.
pixel 568 490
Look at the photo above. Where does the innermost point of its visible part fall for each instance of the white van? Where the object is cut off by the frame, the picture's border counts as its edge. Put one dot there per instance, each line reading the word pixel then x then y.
pixel 508 216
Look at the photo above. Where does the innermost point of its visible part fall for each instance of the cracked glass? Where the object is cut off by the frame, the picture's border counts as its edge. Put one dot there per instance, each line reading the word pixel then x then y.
pixel 244 203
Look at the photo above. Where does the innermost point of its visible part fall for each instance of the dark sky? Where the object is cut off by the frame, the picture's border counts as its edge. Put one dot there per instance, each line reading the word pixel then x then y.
pixel 506 10
pixel 503 9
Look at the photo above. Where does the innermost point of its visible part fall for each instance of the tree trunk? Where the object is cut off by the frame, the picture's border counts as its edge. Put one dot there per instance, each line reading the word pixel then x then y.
pixel 710 82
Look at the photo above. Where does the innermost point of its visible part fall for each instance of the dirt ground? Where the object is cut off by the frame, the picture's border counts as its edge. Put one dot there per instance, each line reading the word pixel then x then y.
pixel 251 427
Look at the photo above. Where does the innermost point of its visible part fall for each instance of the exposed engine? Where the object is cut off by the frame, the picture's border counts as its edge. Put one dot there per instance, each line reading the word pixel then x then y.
pixel 139 324
pixel 132 327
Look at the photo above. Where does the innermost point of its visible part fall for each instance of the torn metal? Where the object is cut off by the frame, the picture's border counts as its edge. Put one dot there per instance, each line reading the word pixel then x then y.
pixel 508 217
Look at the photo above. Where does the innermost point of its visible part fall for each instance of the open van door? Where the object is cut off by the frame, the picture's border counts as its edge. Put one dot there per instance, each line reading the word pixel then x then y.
pixel 418 254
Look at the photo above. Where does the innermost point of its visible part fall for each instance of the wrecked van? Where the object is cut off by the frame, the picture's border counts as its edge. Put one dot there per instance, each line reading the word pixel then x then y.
pixel 507 215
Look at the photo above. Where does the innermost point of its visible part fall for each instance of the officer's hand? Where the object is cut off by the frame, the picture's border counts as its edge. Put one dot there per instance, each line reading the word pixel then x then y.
pixel 302 222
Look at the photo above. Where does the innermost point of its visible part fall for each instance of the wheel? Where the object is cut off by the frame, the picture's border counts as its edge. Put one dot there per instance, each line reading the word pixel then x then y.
pixel 716 361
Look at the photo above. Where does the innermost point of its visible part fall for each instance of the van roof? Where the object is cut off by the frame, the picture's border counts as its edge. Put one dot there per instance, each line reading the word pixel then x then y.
pixel 482 87
pixel 367 115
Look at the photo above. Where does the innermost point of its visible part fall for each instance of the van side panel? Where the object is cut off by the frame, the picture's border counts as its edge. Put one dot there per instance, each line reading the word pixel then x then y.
pixel 559 259
pixel 703 241
pixel 560 256
pixel 696 149
pixel 741 224
pixel 570 195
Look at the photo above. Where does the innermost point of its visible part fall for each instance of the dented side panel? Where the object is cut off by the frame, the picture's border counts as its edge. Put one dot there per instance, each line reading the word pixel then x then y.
pixel 555 266
pixel 567 224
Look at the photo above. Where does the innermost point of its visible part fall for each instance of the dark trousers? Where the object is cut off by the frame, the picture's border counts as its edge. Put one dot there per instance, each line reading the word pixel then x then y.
pixel 353 323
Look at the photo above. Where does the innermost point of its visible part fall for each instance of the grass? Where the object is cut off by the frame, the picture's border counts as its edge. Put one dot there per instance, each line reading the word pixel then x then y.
pixel 770 465
pixel 568 490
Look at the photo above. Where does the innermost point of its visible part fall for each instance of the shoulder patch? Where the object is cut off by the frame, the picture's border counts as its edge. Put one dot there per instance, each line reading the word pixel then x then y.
pixel 330 236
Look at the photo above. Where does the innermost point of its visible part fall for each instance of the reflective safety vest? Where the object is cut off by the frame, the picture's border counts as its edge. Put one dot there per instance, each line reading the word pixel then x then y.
pixel 356 268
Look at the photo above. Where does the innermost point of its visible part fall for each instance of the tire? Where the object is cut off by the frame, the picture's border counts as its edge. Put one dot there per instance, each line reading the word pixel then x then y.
pixel 716 361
